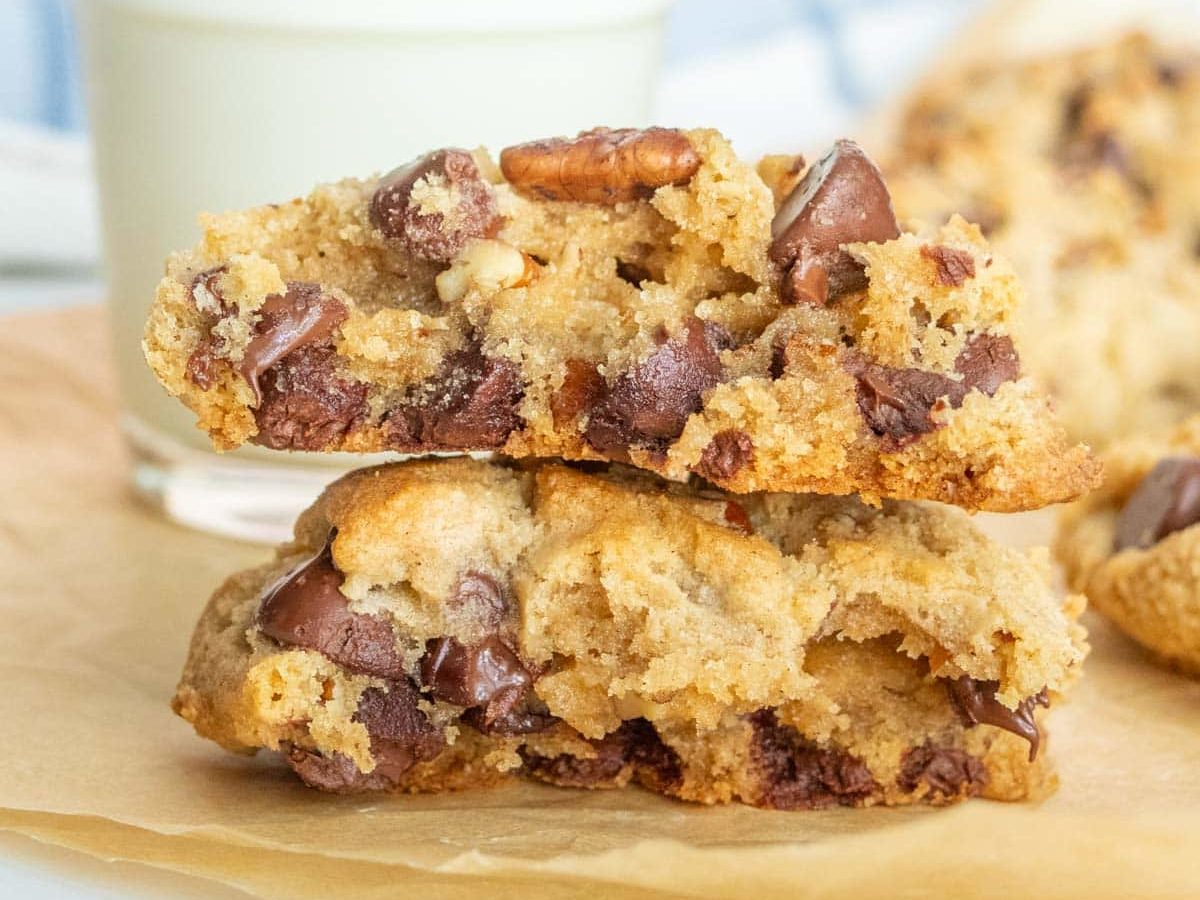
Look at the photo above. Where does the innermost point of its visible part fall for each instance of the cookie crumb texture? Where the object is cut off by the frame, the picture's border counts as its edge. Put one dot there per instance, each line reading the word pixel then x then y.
pixel 1133 546
pixel 640 296
pixel 1081 169
pixel 609 628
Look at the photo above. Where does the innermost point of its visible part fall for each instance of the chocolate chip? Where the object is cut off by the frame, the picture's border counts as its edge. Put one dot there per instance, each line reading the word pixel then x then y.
pixel 453 205
pixel 841 199
pixel 210 302
pixel 478 596
pixel 565 770
pixel 401 736
pixel 335 773
pixel 736 515
pixel 521 719
pixel 471 404
pixel 306 404
pixel 986 362
pixel 656 766
pixel 206 293
pixel 897 403
pixel 648 406
pixel 602 165
pixel 632 273
pixel 727 453
pixel 486 675
pixel 953 266
pixel 304 316
pixel 977 704
pixel 635 748
pixel 201 364
pixel 946 771
pixel 797 774
pixel 582 387
pixel 1167 500
pixel 306 608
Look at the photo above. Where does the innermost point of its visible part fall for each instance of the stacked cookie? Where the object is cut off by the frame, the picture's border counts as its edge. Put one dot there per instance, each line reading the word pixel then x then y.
pixel 715 394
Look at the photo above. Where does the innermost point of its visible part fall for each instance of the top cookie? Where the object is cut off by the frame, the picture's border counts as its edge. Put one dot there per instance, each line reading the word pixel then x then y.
pixel 641 296
pixel 1083 170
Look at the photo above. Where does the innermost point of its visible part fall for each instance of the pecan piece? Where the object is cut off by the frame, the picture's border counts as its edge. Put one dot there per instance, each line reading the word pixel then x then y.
pixel 601 166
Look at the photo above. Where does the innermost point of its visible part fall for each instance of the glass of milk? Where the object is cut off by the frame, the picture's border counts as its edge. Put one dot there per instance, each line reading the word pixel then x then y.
pixel 210 105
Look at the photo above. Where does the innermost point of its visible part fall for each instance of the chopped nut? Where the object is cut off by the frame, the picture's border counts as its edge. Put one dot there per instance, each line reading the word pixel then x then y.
pixel 486 266
pixel 602 165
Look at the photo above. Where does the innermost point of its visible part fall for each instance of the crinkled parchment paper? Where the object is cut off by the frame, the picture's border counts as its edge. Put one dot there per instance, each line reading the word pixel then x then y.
pixel 99 596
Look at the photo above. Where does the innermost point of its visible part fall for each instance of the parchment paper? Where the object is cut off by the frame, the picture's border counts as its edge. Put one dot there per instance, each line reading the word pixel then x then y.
pixel 99 596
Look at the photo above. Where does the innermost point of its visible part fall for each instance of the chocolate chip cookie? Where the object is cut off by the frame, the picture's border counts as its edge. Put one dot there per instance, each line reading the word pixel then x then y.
pixel 640 296
pixel 1082 170
pixel 454 623
pixel 1133 547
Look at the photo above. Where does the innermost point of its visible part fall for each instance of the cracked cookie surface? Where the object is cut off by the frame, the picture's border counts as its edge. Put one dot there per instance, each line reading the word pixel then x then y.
pixel 635 296
pixel 1082 170
pixel 1133 546
pixel 452 623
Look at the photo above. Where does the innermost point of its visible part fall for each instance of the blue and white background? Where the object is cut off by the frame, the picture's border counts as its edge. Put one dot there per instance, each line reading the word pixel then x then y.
pixel 738 65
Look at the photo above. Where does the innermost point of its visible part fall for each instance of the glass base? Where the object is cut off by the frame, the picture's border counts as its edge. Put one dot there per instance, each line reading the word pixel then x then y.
pixel 247 499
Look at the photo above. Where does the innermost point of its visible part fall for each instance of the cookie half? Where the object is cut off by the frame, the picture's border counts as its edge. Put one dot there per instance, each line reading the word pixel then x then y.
pixel 635 296
pixel 455 623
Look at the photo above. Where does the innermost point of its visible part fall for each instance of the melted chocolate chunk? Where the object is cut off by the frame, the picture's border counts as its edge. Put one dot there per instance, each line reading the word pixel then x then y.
pixel 796 774
pixel 897 403
pixel 1167 500
pixel 401 735
pixel 727 454
pixel 954 267
pixel 461 205
pixel 582 387
pixel 304 316
pixel 479 596
pixel 635 749
pixel 306 608
pixel 648 406
pixel 946 771
pixel 471 404
pixel 477 675
pixel 306 404
pixel 977 704
pixel 842 199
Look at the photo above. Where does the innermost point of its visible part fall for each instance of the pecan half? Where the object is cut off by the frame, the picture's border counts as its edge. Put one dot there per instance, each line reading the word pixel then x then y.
pixel 602 165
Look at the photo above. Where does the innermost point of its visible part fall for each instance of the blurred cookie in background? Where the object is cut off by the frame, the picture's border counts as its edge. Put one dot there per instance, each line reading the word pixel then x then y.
pixel 1134 546
pixel 1083 169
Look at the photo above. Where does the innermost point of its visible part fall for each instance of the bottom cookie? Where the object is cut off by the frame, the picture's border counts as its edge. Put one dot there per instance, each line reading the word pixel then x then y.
pixel 1133 546
pixel 450 624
